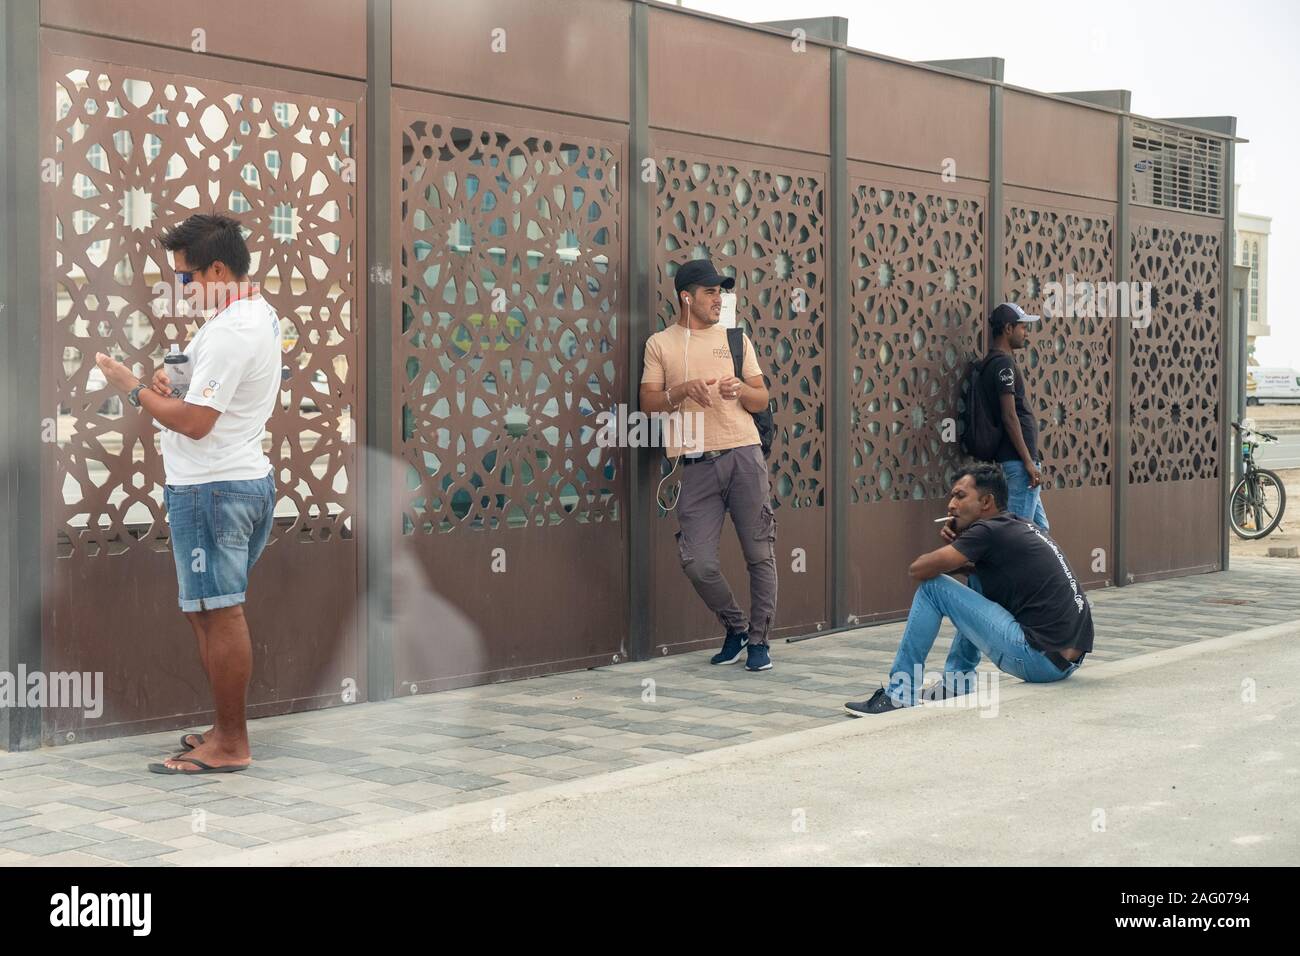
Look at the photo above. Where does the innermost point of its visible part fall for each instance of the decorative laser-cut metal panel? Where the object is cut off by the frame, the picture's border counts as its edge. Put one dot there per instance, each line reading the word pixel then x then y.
pixel 135 151
pixel 765 226
pixel 1177 370
pixel 1068 367
pixel 916 263
pixel 509 344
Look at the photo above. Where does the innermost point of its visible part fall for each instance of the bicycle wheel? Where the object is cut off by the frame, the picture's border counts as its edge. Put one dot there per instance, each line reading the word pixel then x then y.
pixel 1256 506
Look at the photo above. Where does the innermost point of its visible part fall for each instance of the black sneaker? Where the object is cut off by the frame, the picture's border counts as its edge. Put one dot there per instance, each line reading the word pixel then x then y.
pixel 945 689
pixel 759 658
pixel 732 648
pixel 939 691
pixel 880 703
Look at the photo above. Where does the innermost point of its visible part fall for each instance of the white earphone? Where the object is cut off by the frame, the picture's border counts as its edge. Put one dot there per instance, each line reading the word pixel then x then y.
pixel 686 377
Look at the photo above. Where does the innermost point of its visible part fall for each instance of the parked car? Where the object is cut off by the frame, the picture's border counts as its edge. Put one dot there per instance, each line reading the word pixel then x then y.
pixel 1272 386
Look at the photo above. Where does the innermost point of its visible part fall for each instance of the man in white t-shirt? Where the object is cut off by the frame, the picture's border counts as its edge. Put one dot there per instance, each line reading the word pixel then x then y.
pixel 220 490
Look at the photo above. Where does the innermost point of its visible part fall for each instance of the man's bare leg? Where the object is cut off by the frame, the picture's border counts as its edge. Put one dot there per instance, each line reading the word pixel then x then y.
pixel 230 666
pixel 196 622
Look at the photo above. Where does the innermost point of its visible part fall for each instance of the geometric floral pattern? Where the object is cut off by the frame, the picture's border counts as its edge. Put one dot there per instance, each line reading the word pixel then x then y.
pixel 1067 363
pixel 1176 378
pixel 135 151
pixel 764 226
pixel 917 271
pixel 510 335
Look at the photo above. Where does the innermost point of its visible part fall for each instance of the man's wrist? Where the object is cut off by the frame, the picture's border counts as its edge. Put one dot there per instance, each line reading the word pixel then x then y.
pixel 133 393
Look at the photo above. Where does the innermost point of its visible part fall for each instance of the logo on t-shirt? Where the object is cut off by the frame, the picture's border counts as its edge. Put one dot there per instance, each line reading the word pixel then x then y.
pixel 722 353
pixel 1007 376
pixel 213 386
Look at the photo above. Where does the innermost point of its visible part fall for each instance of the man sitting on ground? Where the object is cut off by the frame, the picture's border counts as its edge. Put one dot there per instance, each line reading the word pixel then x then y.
pixel 1032 620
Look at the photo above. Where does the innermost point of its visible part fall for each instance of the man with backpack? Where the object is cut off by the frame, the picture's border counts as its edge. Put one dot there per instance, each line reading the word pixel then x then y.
pixel 696 366
pixel 1000 425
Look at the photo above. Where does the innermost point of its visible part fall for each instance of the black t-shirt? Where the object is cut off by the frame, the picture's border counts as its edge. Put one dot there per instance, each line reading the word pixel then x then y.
pixel 1001 377
pixel 1023 569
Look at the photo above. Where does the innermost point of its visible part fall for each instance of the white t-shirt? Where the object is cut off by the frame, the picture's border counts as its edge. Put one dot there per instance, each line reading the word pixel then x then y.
pixel 235 363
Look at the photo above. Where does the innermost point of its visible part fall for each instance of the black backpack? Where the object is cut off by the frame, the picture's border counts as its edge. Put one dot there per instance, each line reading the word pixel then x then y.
pixel 763 420
pixel 982 429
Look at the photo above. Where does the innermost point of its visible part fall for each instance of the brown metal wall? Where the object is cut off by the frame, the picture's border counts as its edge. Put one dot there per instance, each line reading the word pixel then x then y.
pixel 111 601
pixel 1057 146
pixel 514 517
pixel 1069 365
pixel 743 177
pixel 564 55
pixel 510 533
pixel 711 79
pixel 761 215
pixel 901 116
pixel 1177 395
pixel 326 36
pixel 916 288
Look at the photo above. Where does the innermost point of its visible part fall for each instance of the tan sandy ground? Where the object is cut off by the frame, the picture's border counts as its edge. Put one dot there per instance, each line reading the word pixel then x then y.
pixel 1287 534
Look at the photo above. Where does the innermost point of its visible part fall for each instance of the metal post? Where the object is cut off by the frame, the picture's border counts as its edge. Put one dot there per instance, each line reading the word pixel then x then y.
pixel 381 442
pixel 1242 297
pixel 1232 352
pixel 23 502
pixel 8 394
pixel 640 259
pixel 1236 377
pixel 840 316
pixel 994 231
pixel 1121 362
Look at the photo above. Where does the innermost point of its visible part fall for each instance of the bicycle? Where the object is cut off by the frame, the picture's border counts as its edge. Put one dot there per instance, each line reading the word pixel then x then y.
pixel 1258 499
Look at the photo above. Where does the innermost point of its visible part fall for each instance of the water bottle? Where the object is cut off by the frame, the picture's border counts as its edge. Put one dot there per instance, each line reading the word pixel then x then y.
pixel 177 364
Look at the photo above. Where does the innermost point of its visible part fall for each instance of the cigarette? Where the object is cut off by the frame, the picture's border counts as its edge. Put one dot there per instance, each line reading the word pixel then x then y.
pixel 943 520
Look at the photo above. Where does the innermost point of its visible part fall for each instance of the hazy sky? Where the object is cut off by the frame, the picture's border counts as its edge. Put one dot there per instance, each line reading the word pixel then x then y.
pixel 1188 58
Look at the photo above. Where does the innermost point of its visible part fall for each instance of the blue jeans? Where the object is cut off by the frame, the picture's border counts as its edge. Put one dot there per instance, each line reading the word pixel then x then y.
pixel 1021 499
pixel 218 531
pixel 982 625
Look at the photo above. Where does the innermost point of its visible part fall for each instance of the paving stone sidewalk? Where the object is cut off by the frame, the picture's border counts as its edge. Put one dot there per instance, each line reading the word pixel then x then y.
pixel 339 769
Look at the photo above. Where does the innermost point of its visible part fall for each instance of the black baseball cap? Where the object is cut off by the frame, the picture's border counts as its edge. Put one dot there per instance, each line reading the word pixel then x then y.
pixel 1008 313
pixel 700 272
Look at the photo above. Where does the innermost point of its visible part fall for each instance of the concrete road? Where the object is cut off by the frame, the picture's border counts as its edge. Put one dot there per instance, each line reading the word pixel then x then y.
pixel 1284 453
pixel 1183 757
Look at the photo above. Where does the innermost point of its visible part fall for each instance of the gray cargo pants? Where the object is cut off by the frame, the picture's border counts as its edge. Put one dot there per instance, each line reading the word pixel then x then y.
pixel 734 483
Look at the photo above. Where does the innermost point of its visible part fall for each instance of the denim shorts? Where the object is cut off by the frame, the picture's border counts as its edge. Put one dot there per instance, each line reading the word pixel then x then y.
pixel 218 531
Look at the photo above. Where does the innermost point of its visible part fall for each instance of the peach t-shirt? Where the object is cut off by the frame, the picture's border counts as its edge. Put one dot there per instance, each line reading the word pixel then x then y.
pixel 726 424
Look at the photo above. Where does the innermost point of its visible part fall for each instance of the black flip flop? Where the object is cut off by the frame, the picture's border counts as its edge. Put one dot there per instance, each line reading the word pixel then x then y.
pixel 189 746
pixel 204 768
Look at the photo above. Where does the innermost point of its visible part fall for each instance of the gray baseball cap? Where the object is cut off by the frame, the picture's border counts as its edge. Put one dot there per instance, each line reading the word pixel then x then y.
pixel 1008 313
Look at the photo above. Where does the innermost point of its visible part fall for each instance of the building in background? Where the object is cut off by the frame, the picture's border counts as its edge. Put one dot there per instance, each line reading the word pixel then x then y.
pixel 1250 249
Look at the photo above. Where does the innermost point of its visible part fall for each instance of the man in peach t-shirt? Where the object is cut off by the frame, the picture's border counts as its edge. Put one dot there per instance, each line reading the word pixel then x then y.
pixel 689 369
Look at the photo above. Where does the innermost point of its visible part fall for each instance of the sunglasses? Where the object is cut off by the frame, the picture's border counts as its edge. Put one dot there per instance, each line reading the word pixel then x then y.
pixel 187 277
